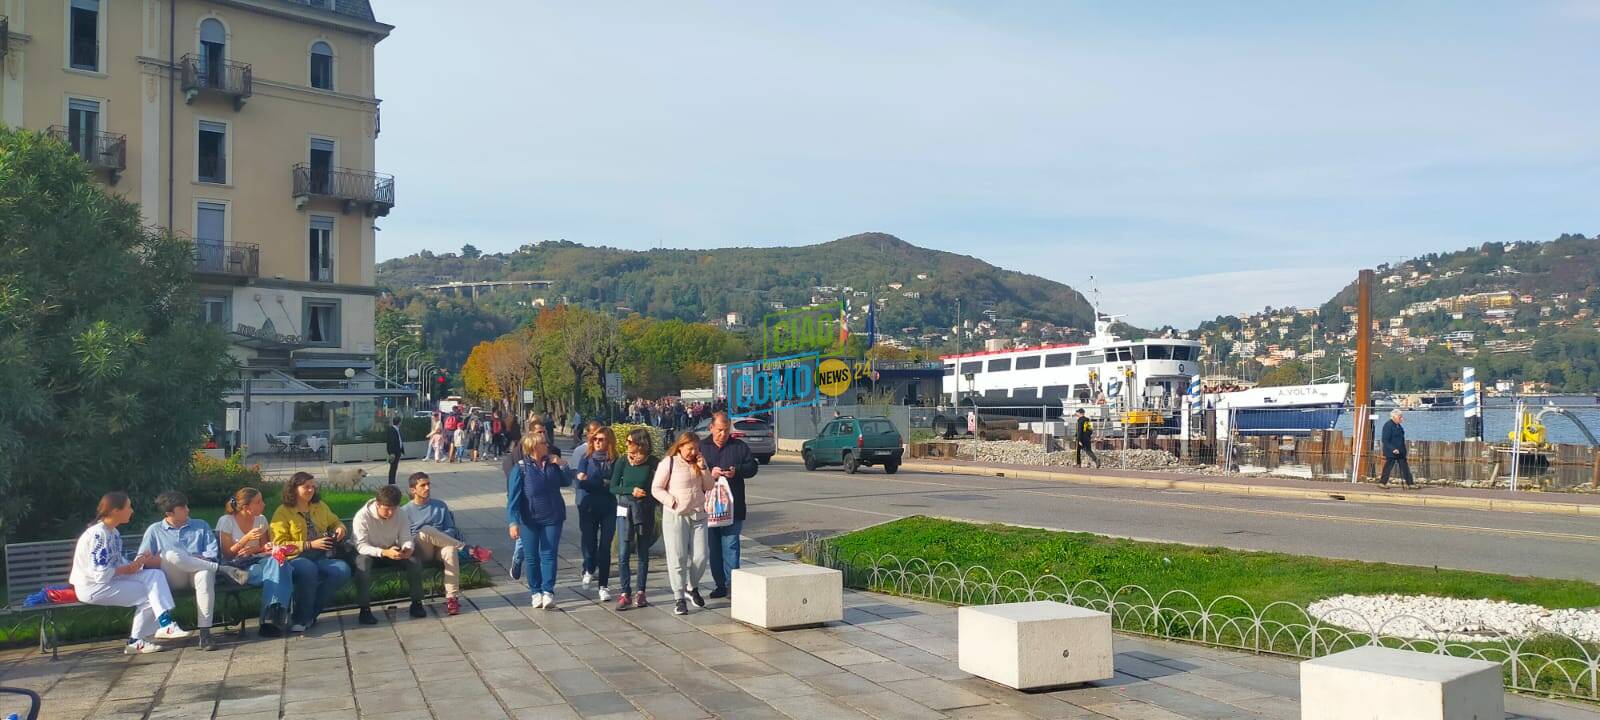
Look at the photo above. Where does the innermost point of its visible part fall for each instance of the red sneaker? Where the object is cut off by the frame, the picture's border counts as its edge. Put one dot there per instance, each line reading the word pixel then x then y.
pixel 452 606
pixel 624 602
pixel 639 601
pixel 481 554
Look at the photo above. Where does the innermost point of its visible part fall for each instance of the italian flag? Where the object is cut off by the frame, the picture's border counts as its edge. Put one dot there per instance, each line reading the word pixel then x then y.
pixel 844 324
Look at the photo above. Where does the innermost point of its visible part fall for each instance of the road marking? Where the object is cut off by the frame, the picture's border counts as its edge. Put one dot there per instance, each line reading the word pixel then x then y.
pixel 1507 532
pixel 823 505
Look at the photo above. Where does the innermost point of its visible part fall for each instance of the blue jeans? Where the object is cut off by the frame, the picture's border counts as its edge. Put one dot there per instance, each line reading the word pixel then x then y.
pixel 276 583
pixel 597 522
pixel 539 555
pixel 633 539
pixel 315 582
pixel 722 552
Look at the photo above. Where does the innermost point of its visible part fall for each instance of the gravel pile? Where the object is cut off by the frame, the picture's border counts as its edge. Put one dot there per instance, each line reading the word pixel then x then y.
pixel 1422 617
pixel 1026 453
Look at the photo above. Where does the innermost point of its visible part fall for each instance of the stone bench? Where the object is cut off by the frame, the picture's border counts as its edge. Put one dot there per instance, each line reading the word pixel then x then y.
pixel 1378 682
pixel 789 595
pixel 1033 645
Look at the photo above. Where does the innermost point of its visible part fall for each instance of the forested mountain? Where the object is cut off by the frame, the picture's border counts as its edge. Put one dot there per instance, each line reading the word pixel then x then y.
pixel 1518 312
pixel 914 287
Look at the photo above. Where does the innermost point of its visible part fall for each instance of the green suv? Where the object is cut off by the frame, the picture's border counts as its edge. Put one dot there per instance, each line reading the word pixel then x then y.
pixel 853 442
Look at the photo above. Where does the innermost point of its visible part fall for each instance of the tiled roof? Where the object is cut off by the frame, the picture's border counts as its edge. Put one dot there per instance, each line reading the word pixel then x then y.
pixel 358 9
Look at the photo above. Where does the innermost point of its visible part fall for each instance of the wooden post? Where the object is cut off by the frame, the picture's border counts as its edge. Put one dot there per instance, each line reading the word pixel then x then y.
pixel 1363 398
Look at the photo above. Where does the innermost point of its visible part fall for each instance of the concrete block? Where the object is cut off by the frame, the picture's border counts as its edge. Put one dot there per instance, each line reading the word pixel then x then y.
pixel 790 595
pixel 1374 683
pixel 1034 645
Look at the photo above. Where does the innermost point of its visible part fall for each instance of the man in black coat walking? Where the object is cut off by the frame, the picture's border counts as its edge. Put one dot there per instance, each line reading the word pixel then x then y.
pixel 1394 449
pixel 729 458
pixel 1084 429
pixel 396 447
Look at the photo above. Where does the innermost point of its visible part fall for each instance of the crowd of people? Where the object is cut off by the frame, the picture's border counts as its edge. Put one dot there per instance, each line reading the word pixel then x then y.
pixel 300 558
pixel 668 413
pixel 617 493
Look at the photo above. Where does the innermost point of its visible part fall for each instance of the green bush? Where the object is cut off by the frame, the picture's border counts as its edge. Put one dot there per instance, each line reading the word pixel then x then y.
pixel 657 438
pixel 214 481
pixel 415 428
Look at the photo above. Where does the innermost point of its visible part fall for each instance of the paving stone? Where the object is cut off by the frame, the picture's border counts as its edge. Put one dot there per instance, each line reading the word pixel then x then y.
pixel 1214 689
pixel 479 707
pixel 340 714
pixel 768 687
pixel 886 705
pixel 327 704
pixel 438 689
pixel 551 712
pixel 250 704
pixel 600 704
pixel 936 693
pixel 389 701
pixel 581 681
pixel 385 681
pixel 191 710
pixel 1135 710
pixel 669 706
pixel 845 657
pixel 989 712
pixel 816 706
pixel 842 683
pixel 796 662
pixel 886 672
pixel 548 658
pixel 729 704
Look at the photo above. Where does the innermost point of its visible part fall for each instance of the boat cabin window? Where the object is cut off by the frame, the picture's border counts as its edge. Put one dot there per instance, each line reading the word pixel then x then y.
pixel 1081 392
pixel 949 370
pixel 1054 392
pixel 1160 352
pixel 1025 393
pixel 1090 358
pixel 994 394
pixel 1058 360
pixel 1119 354
pixel 1000 365
pixel 1187 353
pixel 970 368
pixel 1027 362
pixel 1138 352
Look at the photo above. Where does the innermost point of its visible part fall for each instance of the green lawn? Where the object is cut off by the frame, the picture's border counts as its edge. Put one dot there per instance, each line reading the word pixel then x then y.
pixel 969 563
pixel 1257 577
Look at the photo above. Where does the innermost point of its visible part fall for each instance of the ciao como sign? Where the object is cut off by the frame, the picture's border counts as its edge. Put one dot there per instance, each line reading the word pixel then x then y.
pixel 761 386
pixel 802 330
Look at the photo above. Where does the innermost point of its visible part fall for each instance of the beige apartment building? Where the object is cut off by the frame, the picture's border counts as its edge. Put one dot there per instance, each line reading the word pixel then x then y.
pixel 248 126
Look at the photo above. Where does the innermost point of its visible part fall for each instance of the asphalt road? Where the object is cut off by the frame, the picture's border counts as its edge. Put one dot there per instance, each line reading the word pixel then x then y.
pixel 786 502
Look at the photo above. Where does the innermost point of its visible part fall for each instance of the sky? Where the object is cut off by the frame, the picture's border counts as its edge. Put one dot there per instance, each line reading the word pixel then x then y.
pixel 1196 159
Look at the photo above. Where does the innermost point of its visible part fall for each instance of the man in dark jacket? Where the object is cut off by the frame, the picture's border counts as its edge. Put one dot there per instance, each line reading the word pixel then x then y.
pixel 729 458
pixel 396 447
pixel 1084 429
pixel 1394 449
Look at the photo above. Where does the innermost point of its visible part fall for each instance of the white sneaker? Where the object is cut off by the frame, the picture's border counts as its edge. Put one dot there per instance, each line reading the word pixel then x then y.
pixel 238 575
pixel 549 601
pixel 171 631
pixel 588 579
pixel 605 594
pixel 141 647
pixel 539 600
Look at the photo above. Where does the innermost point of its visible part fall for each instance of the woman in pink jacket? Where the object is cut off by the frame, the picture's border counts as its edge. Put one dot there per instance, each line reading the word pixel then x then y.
pixel 680 485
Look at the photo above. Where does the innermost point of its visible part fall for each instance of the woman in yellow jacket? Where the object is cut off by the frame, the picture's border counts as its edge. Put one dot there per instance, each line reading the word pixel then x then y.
pixel 309 530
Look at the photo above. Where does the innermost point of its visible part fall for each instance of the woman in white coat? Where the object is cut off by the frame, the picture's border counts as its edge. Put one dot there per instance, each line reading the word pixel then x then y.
pixel 102 575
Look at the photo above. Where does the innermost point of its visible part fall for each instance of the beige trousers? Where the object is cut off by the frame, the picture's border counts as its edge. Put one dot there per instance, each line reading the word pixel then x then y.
pixel 431 543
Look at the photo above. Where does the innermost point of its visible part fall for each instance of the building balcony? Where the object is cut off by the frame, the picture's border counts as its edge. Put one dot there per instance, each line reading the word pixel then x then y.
pixel 103 151
pixel 232 261
pixel 230 80
pixel 373 192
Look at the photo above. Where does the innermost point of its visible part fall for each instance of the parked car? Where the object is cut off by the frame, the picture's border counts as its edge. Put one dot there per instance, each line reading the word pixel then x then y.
pixel 755 433
pixel 853 442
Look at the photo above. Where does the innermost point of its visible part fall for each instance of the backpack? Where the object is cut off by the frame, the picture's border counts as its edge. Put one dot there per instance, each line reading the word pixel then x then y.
pixel 451 422
pixel 719 504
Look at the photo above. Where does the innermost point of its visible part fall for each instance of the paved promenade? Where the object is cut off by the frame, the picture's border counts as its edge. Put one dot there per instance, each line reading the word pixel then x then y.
pixel 890 658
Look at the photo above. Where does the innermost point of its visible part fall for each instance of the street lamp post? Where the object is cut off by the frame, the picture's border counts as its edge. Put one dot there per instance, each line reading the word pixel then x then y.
pixel 386 355
pixel 405 363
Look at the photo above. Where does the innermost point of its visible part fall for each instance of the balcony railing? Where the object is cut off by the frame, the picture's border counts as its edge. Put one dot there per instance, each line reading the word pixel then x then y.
pixel 228 79
pixel 235 259
pixel 103 151
pixel 373 191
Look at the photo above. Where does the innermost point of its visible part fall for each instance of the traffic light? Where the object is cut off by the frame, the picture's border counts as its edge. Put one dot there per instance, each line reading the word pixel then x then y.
pixel 441 380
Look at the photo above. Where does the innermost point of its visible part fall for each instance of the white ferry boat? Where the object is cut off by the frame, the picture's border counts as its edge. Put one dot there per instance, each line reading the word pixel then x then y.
pixel 1108 376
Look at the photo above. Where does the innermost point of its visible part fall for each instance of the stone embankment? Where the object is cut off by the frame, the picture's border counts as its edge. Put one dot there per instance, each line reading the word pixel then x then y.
pixel 1424 617
pixel 1027 453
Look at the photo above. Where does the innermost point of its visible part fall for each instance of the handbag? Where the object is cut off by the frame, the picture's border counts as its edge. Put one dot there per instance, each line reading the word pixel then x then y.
pixel 719 504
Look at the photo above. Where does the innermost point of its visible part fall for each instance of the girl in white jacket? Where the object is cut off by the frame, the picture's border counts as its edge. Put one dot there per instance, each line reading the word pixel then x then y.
pixel 102 575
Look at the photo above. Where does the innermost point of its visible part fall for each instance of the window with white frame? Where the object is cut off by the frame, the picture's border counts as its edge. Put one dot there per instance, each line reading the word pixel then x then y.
pixel 320 244
pixel 83 126
pixel 83 35
pixel 322 66
pixel 213 53
pixel 216 310
pixel 321 321
pixel 213 152
pixel 210 232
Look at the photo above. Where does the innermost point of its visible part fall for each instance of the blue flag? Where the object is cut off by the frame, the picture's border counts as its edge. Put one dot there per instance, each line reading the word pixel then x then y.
pixel 872 326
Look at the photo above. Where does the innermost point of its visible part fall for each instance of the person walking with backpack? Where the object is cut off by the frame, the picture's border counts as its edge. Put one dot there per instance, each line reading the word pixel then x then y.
pixel 680 485
pixel 730 460
pixel 597 509
pixel 1085 432
pixel 1394 449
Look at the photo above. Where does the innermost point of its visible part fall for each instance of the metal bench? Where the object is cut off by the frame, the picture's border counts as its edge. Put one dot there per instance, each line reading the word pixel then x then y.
pixel 31 566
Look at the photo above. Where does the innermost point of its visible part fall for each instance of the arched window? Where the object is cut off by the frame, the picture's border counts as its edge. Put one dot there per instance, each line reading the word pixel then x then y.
pixel 213 52
pixel 321 66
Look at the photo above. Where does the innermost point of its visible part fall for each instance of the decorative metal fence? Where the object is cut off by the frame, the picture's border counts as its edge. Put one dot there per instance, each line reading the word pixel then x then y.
pixel 1551 664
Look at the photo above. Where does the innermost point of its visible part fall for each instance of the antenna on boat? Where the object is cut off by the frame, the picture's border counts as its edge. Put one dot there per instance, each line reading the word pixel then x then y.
pixel 1102 323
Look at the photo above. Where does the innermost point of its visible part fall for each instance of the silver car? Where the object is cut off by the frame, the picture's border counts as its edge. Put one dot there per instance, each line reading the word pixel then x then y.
pixel 755 433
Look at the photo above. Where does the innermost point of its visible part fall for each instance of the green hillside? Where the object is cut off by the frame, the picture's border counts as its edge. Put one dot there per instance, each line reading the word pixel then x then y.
pixel 699 285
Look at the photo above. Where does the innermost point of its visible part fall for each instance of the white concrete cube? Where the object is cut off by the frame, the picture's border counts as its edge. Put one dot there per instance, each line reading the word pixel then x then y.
pixel 1374 682
pixel 1034 645
pixel 790 595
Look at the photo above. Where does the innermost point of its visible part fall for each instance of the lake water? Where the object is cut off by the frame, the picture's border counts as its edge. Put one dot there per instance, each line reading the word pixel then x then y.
pixel 1498 418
